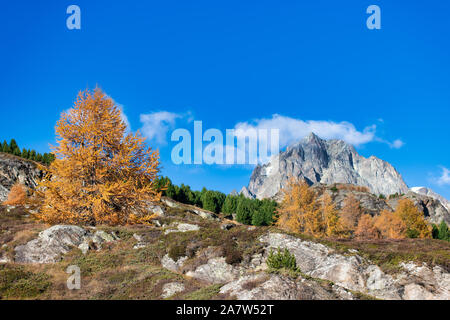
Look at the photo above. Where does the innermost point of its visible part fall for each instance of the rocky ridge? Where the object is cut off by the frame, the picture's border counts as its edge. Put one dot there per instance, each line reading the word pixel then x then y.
pixel 430 193
pixel 14 169
pixel 325 161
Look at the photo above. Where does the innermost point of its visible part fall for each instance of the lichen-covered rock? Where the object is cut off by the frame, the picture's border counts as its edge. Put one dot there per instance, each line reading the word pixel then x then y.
pixel 56 241
pixel 169 289
pixel 424 283
pixel 195 210
pixel 4 259
pixel 216 270
pixel 170 203
pixel 276 287
pixel 141 243
pixel 156 209
pixel 355 273
pixel 182 227
pixel 205 214
pixel 174 266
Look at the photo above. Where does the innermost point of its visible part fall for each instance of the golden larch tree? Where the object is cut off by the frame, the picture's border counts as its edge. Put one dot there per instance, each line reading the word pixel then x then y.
pixel 101 173
pixel 390 225
pixel 299 211
pixel 366 228
pixel 350 212
pixel 17 195
pixel 416 225
pixel 331 214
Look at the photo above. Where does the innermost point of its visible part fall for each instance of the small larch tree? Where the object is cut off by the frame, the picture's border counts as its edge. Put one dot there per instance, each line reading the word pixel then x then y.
pixel 299 210
pixel 366 228
pixel 416 225
pixel 350 212
pixel 17 195
pixel 390 225
pixel 331 214
pixel 101 173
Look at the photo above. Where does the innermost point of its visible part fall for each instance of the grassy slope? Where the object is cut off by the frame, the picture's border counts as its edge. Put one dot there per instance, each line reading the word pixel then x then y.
pixel 120 272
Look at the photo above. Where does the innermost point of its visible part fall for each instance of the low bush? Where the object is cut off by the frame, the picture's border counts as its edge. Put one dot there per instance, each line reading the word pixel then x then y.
pixel 17 196
pixel 231 253
pixel 281 260
pixel 177 251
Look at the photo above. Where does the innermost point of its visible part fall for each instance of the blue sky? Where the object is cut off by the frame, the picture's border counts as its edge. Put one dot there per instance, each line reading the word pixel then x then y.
pixel 230 62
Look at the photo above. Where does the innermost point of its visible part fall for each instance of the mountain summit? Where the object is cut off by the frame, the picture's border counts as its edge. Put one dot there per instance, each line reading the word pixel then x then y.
pixel 325 161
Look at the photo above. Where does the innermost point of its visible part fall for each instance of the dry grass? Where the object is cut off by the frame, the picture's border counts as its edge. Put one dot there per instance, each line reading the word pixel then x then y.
pixel 351 187
pixel 389 253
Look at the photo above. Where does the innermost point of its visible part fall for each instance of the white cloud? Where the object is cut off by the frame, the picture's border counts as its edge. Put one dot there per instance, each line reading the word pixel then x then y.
pixel 397 144
pixel 445 177
pixel 156 125
pixel 292 130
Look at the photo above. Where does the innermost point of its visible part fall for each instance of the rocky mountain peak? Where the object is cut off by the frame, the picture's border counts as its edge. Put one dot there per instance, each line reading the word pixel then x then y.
pixel 325 161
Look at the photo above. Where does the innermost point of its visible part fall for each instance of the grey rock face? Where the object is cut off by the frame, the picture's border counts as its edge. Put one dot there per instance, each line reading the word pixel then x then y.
pixel 327 162
pixel 352 272
pixel 370 203
pixel 430 193
pixel 276 287
pixel 172 265
pixel 4 259
pixel 182 227
pixel 432 209
pixel 200 212
pixel 56 241
pixel 216 270
pixel 14 169
pixel 156 209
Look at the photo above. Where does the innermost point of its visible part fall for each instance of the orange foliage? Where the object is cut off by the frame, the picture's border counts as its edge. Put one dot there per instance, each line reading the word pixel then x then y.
pixel 17 195
pixel 332 220
pixel 299 210
pixel 413 218
pixel 390 225
pixel 350 212
pixel 366 228
pixel 101 174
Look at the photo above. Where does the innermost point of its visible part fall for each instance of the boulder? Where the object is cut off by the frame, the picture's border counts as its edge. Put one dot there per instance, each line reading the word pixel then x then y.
pixel 216 270
pixel 172 265
pixel 277 287
pixel 227 226
pixel 156 209
pixel 56 241
pixel 182 227
pixel 169 289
